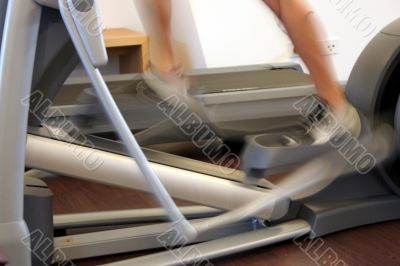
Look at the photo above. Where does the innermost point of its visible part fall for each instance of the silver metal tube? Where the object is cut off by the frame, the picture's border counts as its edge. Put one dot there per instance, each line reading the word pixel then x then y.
pixel 69 160
pixel 16 67
pixel 200 254
pixel 127 216
pixel 123 129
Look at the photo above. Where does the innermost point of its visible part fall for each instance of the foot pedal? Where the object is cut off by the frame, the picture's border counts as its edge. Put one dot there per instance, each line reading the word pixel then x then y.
pixel 269 154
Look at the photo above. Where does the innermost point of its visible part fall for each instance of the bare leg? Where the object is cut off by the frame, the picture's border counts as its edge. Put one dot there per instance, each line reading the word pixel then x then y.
pixel 304 29
pixel 164 54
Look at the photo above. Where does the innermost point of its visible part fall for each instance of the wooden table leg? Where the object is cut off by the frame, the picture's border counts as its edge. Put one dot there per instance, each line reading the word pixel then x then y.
pixel 131 62
pixel 132 59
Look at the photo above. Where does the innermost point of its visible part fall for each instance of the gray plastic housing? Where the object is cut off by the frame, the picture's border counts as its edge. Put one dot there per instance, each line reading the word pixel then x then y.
pixel 38 214
pixel 55 59
pixel 269 154
pixel 374 88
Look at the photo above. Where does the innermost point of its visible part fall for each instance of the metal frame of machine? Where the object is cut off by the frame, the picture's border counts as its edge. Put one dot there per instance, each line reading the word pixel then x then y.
pixel 317 213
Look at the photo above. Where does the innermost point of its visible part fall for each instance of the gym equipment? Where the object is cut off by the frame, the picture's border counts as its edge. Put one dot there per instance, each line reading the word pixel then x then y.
pixel 20 30
pixel 323 213
pixel 224 92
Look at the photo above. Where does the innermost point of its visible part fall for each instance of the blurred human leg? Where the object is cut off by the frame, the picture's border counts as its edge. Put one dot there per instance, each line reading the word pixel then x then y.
pixel 166 75
pixel 307 34
pixel 165 59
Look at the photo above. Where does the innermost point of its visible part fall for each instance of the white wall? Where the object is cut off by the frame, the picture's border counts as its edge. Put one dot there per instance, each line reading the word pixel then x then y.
pixel 239 32
pixel 215 32
pixel 120 14
pixel 184 30
pixel 242 32
pixel 355 23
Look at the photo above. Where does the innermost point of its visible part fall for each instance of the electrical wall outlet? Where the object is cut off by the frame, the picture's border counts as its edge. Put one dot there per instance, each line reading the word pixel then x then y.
pixel 331 46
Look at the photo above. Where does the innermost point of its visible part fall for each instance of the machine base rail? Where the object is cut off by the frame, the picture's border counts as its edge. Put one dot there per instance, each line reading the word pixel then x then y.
pixel 131 239
pixel 222 247
pixel 91 219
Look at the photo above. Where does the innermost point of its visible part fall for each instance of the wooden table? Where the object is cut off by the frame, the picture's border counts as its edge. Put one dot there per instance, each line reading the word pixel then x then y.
pixel 130 46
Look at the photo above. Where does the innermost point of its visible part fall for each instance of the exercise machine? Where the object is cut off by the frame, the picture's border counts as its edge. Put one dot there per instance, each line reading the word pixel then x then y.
pixel 223 96
pixel 323 213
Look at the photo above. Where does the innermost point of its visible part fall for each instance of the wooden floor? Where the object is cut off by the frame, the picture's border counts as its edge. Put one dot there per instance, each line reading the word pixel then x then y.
pixel 375 245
